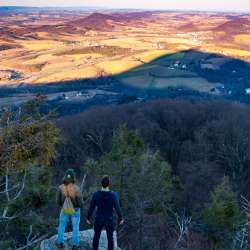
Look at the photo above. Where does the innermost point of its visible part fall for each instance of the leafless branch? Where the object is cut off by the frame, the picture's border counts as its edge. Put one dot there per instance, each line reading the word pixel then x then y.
pixel 83 182
pixel 4 215
pixel 183 222
pixel 32 239
pixel 241 239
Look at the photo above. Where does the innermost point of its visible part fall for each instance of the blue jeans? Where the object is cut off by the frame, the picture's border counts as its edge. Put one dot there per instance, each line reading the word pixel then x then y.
pixel 63 220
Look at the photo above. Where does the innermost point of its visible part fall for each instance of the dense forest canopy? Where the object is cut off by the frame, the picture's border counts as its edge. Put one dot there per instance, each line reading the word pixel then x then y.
pixel 180 167
pixel 203 142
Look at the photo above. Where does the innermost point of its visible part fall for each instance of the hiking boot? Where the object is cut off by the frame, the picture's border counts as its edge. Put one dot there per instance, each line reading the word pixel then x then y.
pixel 59 245
pixel 75 248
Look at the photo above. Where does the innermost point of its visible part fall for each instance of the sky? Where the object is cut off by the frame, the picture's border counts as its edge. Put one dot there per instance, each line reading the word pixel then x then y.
pixel 221 5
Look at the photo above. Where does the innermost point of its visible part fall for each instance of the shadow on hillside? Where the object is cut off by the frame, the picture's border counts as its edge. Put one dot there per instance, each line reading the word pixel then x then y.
pixel 188 72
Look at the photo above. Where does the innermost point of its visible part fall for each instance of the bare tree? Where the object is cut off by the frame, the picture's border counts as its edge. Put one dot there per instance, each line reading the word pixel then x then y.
pixel 32 239
pixel 242 236
pixel 11 194
pixel 183 223
pixel 96 140
pixel 83 182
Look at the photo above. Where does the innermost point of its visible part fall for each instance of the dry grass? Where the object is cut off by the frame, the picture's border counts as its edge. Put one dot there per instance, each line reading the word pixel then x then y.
pixel 38 45
pixel 231 52
pixel 129 42
pixel 69 73
pixel 244 39
pixel 118 66
pixel 152 54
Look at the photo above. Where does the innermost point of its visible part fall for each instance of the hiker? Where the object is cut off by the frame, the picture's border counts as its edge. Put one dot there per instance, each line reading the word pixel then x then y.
pixel 105 201
pixel 69 198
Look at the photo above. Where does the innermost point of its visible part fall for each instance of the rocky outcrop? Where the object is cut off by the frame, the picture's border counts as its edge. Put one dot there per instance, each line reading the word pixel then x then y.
pixel 85 238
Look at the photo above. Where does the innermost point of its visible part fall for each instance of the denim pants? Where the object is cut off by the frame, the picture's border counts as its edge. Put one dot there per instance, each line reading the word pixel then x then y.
pixel 109 227
pixel 63 220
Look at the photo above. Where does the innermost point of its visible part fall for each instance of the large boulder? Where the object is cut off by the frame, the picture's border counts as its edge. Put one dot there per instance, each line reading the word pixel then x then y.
pixel 85 238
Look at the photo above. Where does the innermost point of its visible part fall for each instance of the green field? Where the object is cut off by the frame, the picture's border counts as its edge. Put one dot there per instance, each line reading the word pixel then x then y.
pixel 173 70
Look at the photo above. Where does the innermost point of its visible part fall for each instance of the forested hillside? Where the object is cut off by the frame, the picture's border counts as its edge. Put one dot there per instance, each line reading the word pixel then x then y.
pixel 181 170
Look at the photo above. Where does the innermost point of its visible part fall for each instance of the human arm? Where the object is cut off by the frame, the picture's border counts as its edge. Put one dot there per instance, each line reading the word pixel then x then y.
pixel 79 198
pixel 91 208
pixel 59 198
pixel 118 208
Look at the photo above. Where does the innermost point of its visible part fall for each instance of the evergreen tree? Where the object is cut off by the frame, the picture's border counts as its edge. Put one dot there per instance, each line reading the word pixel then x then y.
pixel 223 215
pixel 27 145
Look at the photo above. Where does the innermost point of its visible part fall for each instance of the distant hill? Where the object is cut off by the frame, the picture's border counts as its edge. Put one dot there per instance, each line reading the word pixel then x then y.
pixel 100 21
pixel 133 16
pixel 189 27
pixel 234 26
pixel 96 21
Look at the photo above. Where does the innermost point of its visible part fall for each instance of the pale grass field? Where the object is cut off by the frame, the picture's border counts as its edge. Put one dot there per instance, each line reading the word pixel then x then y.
pixel 67 74
pixel 245 39
pixel 44 58
pixel 129 42
pixel 38 45
pixel 235 53
pixel 83 56
pixel 118 66
pixel 180 41
pixel 151 55
pixel 128 63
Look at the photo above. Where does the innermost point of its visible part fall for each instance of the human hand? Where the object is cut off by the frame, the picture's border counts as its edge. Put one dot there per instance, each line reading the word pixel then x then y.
pixel 88 221
pixel 121 222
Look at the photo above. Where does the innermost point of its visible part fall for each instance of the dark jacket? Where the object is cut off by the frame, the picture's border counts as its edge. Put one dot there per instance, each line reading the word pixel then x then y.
pixel 106 203
pixel 76 201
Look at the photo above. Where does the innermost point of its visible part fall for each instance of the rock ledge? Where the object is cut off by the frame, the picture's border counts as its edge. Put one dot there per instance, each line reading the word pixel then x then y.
pixel 85 238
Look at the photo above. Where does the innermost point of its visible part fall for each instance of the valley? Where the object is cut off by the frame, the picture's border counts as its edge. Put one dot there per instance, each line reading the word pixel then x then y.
pixel 128 53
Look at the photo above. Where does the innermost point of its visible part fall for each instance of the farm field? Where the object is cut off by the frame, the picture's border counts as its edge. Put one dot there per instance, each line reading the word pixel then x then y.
pixel 139 49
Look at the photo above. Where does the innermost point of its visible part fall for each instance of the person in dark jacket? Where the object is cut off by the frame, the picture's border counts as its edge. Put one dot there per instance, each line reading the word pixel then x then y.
pixel 105 201
pixel 71 190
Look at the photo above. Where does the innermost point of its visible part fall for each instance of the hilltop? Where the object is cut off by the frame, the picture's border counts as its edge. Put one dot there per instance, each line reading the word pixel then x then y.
pixel 236 25
pixel 96 21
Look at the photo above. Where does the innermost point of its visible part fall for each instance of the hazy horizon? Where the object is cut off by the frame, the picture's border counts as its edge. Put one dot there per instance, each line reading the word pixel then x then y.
pixel 191 5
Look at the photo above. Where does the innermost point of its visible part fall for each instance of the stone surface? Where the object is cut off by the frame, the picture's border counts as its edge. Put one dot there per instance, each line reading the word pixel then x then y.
pixel 85 238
